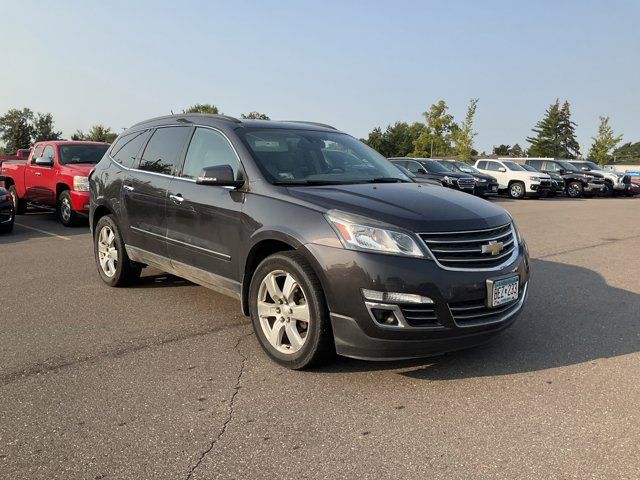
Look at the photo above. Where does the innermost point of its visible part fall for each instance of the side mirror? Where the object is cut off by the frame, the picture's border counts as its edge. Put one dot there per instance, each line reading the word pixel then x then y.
pixel 220 175
pixel 502 169
pixel 586 169
pixel 44 162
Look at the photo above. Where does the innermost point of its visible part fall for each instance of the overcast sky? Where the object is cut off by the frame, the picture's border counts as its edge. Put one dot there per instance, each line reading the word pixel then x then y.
pixel 352 64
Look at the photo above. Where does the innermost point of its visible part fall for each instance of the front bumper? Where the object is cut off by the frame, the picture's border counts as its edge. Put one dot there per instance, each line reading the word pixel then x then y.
pixel 594 187
pixel 344 273
pixel 80 201
pixel 483 189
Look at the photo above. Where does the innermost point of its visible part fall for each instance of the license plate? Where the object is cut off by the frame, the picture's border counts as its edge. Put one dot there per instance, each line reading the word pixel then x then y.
pixel 503 291
pixel 494 188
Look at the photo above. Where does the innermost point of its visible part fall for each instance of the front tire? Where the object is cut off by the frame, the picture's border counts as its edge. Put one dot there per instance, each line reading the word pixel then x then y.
pixel 517 190
pixel 289 312
pixel 64 209
pixel 574 190
pixel 114 266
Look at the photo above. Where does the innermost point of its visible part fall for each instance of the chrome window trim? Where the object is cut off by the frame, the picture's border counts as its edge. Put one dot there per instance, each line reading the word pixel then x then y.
pixel 165 237
pixel 512 257
pixel 194 125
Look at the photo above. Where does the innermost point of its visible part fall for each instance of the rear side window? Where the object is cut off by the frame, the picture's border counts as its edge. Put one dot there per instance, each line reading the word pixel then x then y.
pixel 415 167
pixel 125 151
pixel 208 148
pixel 162 154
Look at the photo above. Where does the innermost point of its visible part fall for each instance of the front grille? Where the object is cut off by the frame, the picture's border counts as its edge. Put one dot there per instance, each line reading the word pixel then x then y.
pixel 420 315
pixel 545 183
pixel 476 312
pixel 464 250
pixel 466 182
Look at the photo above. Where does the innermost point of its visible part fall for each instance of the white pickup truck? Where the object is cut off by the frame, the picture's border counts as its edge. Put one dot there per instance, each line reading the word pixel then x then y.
pixel 515 180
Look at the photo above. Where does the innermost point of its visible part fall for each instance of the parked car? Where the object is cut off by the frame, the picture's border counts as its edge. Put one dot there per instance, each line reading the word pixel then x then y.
pixel 557 182
pixel 7 217
pixel 54 175
pixel 484 184
pixel 634 189
pixel 417 179
pixel 515 180
pixel 21 154
pixel 360 260
pixel 614 182
pixel 577 183
pixel 426 168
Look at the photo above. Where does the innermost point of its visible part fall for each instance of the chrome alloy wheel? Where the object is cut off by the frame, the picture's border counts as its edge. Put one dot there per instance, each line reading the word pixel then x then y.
pixel 517 190
pixel 573 190
pixel 107 251
pixel 65 209
pixel 283 311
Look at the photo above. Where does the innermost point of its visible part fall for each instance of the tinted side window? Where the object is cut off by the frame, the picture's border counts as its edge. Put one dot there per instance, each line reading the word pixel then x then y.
pixel 37 153
pixel 537 164
pixel 482 165
pixel 208 148
pixel 162 154
pixel 551 166
pixel 126 148
pixel 493 166
pixel 415 167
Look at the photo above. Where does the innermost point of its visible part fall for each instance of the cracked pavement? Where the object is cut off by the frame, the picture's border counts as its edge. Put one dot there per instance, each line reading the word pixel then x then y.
pixel 166 380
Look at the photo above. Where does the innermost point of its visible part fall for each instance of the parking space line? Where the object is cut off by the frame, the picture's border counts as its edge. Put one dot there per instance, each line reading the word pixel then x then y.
pixel 61 237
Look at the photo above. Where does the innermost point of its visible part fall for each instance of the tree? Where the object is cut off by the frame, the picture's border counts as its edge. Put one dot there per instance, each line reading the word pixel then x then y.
pixel 202 108
pixel 502 149
pixel 463 136
pixel 570 148
pixel 255 116
pixel 98 133
pixel 547 142
pixel 437 136
pixel 16 129
pixel 604 142
pixel 43 128
pixel 628 151
pixel 396 141
pixel 516 151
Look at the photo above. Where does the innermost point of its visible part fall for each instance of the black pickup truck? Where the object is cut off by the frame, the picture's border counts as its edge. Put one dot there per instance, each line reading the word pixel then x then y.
pixel 577 183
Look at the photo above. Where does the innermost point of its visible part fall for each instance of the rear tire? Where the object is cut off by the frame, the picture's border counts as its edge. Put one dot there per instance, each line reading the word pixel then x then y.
pixel 517 190
pixel 19 204
pixel 289 312
pixel 114 266
pixel 64 209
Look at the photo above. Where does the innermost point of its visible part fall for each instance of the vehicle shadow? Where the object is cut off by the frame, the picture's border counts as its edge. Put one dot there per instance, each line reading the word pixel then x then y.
pixel 572 316
pixel 41 224
pixel 160 280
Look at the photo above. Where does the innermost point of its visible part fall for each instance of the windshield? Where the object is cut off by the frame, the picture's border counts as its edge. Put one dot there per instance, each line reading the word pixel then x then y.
pixel 515 167
pixel 434 167
pixel 591 165
pixel 463 167
pixel 72 154
pixel 567 166
pixel 309 157
pixel 528 168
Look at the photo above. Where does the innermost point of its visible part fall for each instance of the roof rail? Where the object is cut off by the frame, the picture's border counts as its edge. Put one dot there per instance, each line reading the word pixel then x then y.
pixel 178 115
pixel 317 124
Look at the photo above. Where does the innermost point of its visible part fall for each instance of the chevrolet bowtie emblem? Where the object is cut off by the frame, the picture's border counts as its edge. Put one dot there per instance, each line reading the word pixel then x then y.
pixel 493 247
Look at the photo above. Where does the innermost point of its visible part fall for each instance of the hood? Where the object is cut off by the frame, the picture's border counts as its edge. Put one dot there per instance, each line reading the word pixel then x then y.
pixel 483 176
pixel 412 206
pixel 80 169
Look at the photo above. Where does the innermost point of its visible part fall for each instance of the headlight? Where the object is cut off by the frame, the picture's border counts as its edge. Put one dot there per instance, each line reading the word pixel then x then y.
pixel 534 179
pixel 479 180
pixel 448 180
pixel 515 229
pixel 359 233
pixel 81 184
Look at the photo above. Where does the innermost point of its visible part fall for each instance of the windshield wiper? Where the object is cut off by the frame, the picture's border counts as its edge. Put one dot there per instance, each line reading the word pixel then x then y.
pixel 296 183
pixel 388 180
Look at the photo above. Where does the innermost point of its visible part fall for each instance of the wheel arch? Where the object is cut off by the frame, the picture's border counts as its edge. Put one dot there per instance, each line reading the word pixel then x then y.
pixel 99 212
pixel 61 187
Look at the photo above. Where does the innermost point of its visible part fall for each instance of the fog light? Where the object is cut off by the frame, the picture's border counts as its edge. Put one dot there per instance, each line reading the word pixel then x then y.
pixel 385 317
pixel 394 297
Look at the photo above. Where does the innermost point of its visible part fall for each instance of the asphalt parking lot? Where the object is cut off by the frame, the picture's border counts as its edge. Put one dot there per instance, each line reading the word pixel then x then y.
pixel 166 380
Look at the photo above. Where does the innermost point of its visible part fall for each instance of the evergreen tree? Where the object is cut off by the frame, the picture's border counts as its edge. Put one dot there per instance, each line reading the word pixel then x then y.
pixel 547 141
pixel 396 141
pixel 502 149
pixel 516 151
pixel 202 108
pixel 568 142
pixel 255 116
pixel 604 142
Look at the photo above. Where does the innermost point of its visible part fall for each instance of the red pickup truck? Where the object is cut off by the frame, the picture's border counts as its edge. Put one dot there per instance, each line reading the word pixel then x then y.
pixel 54 175
pixel 21 154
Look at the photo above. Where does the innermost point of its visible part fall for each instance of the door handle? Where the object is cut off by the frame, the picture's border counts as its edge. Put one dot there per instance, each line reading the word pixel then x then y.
pixel 128 188
pixel 37 174
pixel 178 199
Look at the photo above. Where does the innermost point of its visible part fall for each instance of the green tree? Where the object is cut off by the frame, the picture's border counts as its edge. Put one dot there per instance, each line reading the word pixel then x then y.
pixel 570 148
pixel 437 136
pixel 547 141
pixel 255 116
pixel 396 141
pixel 463 136
pixel 98 133
pixel 16 129
pixel 627 152
pixel 604 142
pixel 516 151
pixel 502 149
pixel 202 108
pixel 43 128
